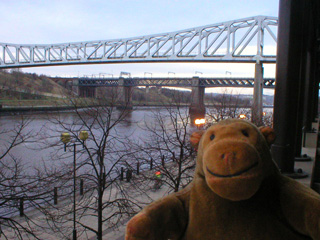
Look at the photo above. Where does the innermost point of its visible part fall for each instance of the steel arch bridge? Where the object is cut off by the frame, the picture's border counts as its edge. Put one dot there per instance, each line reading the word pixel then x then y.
pixel 251 39
pixel 174 82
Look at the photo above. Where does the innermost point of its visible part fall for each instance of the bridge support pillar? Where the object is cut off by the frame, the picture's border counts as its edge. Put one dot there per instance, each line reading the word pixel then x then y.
pixel 257 107
pixel 75 86
pixel 147 89
pixel 125 94
pixel 292 69
pixel 87 92
pixel 197 108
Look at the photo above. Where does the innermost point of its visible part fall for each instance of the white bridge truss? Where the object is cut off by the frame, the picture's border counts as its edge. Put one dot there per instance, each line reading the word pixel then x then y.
pixel 252 39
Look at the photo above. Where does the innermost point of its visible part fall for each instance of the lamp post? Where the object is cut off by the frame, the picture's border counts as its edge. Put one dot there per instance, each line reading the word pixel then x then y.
pixel 65 138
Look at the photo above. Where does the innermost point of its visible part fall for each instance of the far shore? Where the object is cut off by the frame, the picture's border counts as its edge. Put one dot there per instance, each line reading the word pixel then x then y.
pixel 17 110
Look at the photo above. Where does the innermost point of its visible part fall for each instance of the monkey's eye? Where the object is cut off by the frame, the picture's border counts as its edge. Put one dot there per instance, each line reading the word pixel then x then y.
pixel 212 136
pixel 245 133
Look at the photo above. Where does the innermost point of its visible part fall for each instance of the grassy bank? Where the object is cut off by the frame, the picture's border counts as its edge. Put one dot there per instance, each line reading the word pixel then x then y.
pixel 50 102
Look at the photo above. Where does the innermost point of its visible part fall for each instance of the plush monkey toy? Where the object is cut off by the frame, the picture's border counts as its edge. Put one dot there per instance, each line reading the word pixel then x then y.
pixel 237 194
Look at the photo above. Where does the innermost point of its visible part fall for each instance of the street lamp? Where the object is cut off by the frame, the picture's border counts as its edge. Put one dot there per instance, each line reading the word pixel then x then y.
pixel 199 122
pixel 65 138
pixel 242 116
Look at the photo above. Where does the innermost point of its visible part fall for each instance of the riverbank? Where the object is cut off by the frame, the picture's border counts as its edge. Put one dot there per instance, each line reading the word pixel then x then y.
pixel 25 110
pixel 10 111
pixel 21 107
pixel 21 110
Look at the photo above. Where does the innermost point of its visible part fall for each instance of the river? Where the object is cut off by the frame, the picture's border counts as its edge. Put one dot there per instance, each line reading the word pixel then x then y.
pixel 42 146
pixel 45 132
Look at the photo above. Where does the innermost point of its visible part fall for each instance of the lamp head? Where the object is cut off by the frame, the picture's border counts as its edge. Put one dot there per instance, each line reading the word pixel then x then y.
pixel 83 135
pixel 65 137
pixel 200 121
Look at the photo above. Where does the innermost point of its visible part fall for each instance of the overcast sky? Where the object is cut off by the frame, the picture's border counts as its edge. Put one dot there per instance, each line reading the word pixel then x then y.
pixel 55 21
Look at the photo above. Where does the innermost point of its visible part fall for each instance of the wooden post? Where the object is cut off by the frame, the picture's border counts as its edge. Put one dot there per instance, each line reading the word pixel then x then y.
pixel 21 207
pixel 55 196
pixel 129 175
pixel 151 163
pixel 81 187
pixel 121 174
pixel 138 168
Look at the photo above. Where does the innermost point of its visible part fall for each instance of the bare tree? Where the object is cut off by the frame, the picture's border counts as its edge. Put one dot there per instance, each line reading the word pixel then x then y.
pixel 104 201
pixel 228 105
pixel 16 183
pixel 166 147
pixel 267 119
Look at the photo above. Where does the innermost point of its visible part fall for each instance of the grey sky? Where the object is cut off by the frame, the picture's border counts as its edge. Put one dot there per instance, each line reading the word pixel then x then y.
pixel 58 21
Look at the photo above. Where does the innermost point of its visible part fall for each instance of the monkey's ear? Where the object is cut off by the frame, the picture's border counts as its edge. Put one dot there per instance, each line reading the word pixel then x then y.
pixel 268 134
pixel 195 138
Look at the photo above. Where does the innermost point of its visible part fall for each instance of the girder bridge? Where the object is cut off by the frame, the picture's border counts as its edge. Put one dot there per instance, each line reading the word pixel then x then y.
pixel 251 39
pixel 174 82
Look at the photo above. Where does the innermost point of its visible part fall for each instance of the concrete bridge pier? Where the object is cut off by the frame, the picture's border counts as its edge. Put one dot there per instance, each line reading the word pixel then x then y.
pixel 257 107
pixel 124 94
pixel 87 92
pixel 197 108
pixel 147 89
pixel 84 91
pixel 75 86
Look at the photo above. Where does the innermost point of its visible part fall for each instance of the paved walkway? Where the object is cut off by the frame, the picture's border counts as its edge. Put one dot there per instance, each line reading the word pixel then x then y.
pixel 138 191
